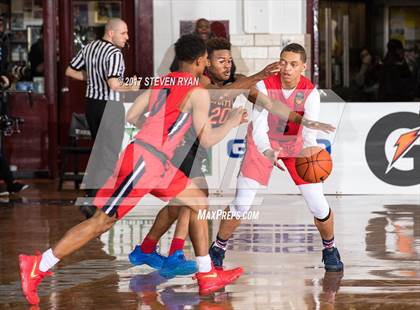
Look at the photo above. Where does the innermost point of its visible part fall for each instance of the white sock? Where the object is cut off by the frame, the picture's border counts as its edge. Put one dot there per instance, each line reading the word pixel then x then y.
pixel 203 263
pixel 48 260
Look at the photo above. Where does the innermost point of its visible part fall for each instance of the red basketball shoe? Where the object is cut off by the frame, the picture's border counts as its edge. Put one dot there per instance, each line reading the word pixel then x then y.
pixel 215 279
pixel 31 276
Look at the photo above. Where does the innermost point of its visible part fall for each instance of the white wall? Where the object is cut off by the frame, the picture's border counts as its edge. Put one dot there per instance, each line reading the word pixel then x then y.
pixel 274 16
pixel 287 17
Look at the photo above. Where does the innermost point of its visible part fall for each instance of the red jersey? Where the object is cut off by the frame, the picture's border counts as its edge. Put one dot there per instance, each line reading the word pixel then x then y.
pixel 166 125
pixel 283 133
pixel 278 130
pixel 218 113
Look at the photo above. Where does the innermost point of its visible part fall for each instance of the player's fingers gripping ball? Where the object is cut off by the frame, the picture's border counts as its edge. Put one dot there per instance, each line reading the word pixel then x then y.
pixel 313 164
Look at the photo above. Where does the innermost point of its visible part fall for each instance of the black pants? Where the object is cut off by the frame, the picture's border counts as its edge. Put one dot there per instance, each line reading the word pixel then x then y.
pixel 94 111
pixel 5 172
pixel 106 121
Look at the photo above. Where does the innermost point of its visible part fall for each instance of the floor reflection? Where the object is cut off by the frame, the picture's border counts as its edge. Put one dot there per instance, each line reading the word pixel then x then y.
pixel 150 292
pixel 324 291
pixel 394 234
pixel 378 237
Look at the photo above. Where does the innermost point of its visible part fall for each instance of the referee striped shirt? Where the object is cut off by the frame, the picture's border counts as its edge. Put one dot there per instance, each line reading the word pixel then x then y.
pixel 101 60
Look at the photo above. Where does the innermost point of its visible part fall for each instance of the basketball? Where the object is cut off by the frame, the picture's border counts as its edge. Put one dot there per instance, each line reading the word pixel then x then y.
pixel 314 164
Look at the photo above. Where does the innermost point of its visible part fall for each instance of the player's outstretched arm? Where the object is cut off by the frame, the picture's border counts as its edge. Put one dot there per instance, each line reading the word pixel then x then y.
pixel 136 111
pixel 327 128
pixel 199 101
pixel 274 106
pixel 246 82
pixel 243 84
pixel 280 109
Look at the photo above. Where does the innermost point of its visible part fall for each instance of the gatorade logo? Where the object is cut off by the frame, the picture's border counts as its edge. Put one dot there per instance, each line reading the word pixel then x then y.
pixel 393 149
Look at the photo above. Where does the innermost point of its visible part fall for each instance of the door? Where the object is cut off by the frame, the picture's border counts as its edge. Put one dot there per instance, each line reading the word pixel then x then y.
pixel 81 22
pixel 342 35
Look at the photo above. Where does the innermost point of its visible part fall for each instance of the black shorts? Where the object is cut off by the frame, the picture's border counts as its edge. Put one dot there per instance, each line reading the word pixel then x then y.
pixel 190 162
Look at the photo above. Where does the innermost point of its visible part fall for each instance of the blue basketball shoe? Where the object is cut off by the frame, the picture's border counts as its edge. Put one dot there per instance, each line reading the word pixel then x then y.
pixel 177 265
pixel 332 260
pixel 154 259
pixel 217 255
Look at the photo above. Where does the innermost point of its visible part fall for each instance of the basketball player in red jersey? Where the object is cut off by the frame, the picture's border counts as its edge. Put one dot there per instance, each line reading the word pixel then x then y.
pixel 144 167
pixel 190 157
pixel 269 139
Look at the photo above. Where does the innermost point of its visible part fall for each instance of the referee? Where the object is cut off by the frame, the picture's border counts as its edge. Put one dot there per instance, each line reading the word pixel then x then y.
pixel 101 64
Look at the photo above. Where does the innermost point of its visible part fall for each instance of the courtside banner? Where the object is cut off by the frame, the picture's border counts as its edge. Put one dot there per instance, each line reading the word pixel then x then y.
pixel 375 150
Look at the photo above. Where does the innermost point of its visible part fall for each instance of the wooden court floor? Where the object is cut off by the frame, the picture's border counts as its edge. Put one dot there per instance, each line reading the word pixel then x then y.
pixel 378 238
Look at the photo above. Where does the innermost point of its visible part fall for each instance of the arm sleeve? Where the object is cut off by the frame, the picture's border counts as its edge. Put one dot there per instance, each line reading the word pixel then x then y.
pixel 78 62
pixel 260 123
pixel 311 112
pixel 115 65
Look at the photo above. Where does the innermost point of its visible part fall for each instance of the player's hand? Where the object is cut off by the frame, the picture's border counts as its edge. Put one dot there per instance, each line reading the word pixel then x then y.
pixel 237 116
pixel 277 164
pixel 135 86
pixel 269 70
pixel 327 128
pixel 273 155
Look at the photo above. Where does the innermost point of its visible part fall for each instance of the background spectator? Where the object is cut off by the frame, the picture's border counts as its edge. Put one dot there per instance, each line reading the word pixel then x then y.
pixel 367 79
pixel 396 82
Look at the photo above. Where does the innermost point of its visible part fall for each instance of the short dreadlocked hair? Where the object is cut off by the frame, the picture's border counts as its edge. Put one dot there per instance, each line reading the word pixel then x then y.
pixel 216 44
pixel 189 47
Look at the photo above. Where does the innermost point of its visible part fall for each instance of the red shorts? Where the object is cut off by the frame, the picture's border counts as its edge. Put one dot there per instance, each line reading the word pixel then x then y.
pixel 258 167
pixel 139 172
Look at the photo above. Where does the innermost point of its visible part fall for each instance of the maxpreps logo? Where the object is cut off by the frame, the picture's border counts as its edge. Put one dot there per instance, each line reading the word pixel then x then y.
pixel 393 149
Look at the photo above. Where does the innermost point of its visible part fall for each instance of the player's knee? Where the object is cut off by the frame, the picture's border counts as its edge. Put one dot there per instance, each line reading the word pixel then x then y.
pixel 324 218
pixel 103 222
pixel 238 210
pixel 319 210
pixel 200 206
pixel 110 221
pixel 318 205
pixel 173 211
pixel 242 204
pixel 199 202
pixel 315 199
